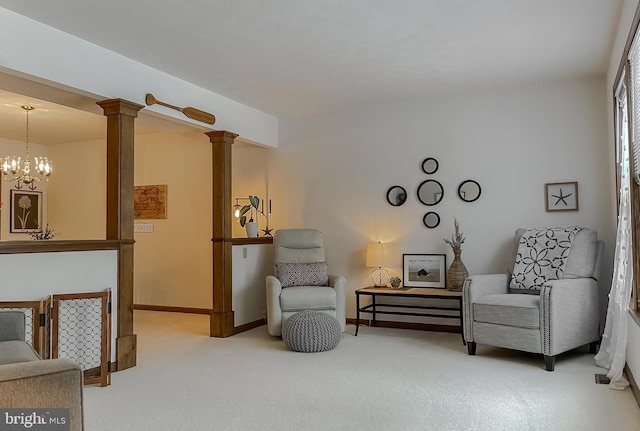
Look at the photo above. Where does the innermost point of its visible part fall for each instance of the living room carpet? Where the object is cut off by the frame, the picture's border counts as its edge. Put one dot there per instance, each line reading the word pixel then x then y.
pixel 383 379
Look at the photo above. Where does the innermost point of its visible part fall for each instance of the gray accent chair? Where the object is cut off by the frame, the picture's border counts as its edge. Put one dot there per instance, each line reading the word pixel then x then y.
pixel 563 315
pixel 302 246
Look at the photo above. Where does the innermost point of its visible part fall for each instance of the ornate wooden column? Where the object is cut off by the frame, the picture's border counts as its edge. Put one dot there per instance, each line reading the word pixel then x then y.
pixel 221 323
pixel 120 161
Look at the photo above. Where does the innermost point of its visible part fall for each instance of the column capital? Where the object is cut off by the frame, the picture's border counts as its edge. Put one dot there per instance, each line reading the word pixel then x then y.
pixel 221 137
pixel 120 106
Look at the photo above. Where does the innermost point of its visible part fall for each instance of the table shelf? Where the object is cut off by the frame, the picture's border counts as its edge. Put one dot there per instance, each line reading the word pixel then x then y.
pixel 376 308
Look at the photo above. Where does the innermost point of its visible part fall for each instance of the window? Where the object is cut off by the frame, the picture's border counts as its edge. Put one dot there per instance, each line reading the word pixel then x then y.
pixel 627 129
pixel 623 165
pixel 622 132
pixel 634 75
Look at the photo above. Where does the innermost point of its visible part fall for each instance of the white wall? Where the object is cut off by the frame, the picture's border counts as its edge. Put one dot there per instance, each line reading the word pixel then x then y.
pixel 77 192
pixel 333 172
pixel 34 276
pixel 172 265
pixel 624 27
pixel 251 264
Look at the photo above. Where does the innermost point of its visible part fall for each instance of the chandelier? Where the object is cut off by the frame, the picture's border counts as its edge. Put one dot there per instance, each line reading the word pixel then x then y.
pixel 21 170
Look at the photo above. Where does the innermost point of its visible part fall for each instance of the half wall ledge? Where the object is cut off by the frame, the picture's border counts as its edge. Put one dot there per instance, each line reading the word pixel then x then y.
pixel 246 241
pixel 42 268
pixel 48 246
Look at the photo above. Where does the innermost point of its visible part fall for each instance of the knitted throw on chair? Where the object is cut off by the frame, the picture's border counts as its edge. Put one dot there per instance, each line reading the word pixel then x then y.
pixel 542 256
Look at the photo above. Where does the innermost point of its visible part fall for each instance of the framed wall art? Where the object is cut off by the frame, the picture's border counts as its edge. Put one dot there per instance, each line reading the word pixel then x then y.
pixel 424 270
pixel 561 196
pixel 26 211
pixel 150 202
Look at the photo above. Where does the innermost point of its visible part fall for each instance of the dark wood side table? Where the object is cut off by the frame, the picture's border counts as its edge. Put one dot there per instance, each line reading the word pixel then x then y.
pixel 408 292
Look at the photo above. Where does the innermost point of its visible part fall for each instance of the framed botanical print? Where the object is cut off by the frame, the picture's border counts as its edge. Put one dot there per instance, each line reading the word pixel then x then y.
pixel 26 211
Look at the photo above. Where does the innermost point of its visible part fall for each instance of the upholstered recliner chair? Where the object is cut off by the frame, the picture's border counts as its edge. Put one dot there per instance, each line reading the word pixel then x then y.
pixel 301 280
pixel 547 302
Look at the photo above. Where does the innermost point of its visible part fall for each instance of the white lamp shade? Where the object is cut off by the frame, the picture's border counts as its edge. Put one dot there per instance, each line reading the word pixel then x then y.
pixel 379 255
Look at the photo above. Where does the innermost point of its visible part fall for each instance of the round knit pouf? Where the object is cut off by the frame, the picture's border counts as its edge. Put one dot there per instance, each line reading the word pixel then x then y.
pixel 311 331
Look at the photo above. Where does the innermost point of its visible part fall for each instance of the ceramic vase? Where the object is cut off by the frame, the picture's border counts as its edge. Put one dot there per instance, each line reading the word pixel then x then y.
pixel 252 229
pixel 457 273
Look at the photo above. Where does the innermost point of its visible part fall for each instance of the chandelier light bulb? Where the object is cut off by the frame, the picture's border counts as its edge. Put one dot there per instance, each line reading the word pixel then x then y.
pixel 21 170
pixel 43 166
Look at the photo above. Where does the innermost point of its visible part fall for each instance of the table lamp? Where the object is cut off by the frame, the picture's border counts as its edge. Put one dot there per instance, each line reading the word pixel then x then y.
pixel 378 255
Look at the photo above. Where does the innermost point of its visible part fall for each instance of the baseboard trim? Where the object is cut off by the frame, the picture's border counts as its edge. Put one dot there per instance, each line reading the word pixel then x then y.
pixel 172 309
pixel 632 383
pixel 354 321
pixel 407 325
pixel 248 326
pixel 165 308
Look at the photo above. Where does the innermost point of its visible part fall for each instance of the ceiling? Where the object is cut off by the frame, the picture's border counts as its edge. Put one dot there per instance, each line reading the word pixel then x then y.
pixel 293 58
pixel 52 123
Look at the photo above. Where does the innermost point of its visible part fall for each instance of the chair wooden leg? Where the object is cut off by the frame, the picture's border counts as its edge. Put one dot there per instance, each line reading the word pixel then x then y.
pixel 471 347
pixel 549 362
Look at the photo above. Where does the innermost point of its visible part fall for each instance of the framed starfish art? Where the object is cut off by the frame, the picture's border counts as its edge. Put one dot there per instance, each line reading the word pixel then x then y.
pixel 561 196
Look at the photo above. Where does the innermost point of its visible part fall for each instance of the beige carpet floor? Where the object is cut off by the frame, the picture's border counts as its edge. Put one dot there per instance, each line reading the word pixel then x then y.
pixel 383 379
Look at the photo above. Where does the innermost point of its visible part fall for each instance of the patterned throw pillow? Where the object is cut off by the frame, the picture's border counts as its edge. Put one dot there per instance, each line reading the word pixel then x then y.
pixel 542 256
pixel 302 274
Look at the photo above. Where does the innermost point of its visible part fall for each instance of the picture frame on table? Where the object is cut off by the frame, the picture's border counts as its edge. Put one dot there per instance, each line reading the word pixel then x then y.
pixel 424 270
pixel 25 211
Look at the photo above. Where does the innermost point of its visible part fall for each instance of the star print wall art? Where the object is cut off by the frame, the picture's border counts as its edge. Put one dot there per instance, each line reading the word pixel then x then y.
pixel 561 196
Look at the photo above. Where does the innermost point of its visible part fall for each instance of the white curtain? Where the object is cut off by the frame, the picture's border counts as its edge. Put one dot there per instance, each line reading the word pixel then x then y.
pixel 613 350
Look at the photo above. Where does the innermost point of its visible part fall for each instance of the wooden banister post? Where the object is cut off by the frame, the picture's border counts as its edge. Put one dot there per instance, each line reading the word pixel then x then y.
pixel 120 162
pixel 221 323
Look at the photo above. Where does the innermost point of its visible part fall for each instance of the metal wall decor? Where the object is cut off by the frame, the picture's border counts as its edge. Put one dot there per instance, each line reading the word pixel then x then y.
pixel 430 165
pixel 396 196
pixel 431 220
pixel 469 190
pixel 430 192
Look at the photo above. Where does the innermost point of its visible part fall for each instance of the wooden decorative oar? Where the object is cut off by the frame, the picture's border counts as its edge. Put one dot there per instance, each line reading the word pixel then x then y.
pixel 193 113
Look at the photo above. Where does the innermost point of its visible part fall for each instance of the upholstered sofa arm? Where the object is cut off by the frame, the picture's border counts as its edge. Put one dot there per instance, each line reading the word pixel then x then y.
pixel 570 313
pixel 488 284
pixel 274 311
pixel 475 287
pixel 52 383
pixel 339 283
